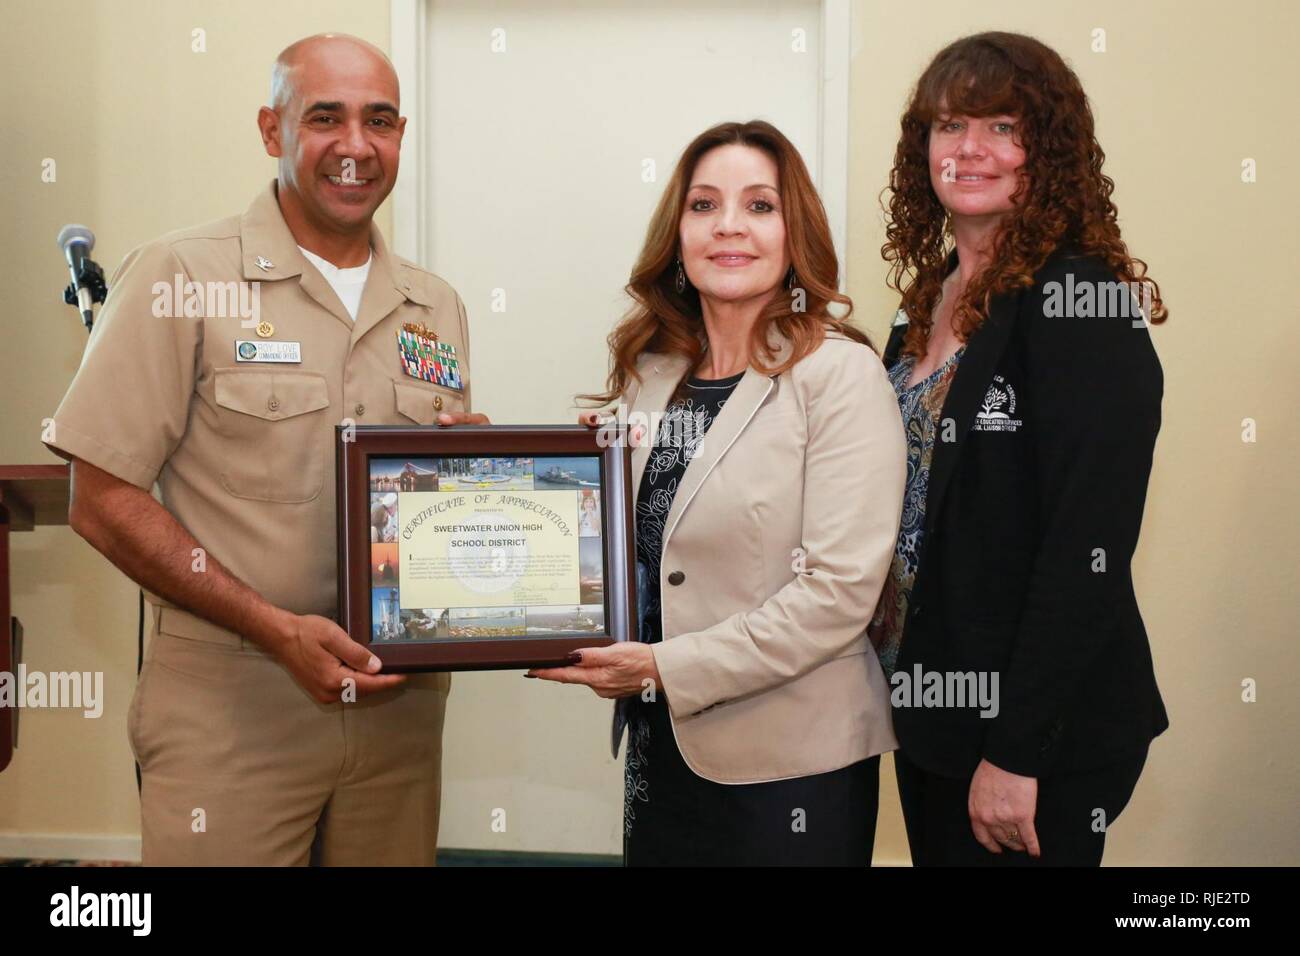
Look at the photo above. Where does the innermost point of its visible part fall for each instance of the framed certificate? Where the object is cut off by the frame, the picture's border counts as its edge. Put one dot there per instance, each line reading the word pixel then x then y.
pixel 483 547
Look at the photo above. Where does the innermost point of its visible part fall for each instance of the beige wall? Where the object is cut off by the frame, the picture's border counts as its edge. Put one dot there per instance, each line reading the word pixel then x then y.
pixel 1184 93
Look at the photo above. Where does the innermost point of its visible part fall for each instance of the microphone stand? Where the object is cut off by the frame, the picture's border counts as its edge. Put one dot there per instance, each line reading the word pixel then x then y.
pixel 91 277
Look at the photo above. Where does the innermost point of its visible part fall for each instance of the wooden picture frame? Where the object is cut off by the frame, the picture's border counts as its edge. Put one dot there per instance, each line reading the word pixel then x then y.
pixel 397 481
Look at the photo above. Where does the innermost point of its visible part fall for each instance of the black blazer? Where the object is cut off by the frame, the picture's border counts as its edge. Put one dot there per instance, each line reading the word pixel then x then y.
pixel 1054 421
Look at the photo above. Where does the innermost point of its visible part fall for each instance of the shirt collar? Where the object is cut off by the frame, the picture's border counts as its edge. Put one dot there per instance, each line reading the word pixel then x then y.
pixel 270 250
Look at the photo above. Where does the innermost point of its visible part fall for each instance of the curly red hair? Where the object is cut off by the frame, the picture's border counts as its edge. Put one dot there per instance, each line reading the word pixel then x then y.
pixel 1063 198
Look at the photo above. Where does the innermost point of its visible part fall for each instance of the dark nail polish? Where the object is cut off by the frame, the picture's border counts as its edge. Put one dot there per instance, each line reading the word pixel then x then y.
pixel 575 657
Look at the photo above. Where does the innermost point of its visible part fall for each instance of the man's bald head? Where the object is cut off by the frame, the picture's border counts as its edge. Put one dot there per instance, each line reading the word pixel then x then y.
pixel 338 48
pixel 335 126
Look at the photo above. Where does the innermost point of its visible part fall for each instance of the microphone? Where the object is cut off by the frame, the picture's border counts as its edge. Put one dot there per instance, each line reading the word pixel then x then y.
pixel 76 242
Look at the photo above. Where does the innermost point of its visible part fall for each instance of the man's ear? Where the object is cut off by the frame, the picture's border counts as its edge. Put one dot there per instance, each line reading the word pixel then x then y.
pixel 268 123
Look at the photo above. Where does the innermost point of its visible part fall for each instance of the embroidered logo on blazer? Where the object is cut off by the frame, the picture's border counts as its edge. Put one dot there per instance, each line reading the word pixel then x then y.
pixel 998 408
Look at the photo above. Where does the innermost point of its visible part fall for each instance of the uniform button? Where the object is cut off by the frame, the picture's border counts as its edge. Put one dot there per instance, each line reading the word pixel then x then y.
pixel 676 578
pixel 361 409
pixel 437 403
pixel 273 404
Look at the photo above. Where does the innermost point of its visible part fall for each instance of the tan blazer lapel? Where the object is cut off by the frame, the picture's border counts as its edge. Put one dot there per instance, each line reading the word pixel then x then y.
pixel 750 393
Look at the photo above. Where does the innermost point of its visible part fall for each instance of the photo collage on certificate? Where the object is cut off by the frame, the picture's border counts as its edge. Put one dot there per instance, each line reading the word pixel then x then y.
pixel 471 548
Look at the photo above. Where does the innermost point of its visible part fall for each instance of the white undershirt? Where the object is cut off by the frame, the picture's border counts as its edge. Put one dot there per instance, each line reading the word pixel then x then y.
pixel 348 284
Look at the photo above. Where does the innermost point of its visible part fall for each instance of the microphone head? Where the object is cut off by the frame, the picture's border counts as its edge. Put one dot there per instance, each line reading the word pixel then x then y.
pixel 75 233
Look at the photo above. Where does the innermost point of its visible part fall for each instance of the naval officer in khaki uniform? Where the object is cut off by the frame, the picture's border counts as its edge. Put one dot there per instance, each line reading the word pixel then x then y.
pixel 250 751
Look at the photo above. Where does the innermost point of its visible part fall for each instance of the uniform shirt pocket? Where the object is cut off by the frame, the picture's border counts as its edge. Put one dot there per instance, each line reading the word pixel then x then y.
pixel 423 403
pixel 276 442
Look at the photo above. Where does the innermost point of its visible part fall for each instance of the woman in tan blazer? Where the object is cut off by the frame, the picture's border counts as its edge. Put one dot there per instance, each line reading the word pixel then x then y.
pixel 770 488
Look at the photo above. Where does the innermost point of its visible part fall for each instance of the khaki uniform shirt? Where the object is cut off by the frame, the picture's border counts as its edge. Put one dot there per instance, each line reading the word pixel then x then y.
pixel 243 451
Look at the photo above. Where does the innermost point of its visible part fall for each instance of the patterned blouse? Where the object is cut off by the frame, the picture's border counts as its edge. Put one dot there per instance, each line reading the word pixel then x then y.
pixel 681 432
pixel 650 766
pixel 920 406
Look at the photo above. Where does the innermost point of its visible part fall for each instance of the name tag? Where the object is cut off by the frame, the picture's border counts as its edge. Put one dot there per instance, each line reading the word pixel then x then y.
pixel 246 351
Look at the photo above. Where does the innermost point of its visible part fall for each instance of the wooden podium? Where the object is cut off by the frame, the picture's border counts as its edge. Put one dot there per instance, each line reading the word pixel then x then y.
pixel 30 495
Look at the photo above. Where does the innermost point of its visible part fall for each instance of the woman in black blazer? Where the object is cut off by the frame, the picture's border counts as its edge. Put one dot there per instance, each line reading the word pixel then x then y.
pixel 1023 689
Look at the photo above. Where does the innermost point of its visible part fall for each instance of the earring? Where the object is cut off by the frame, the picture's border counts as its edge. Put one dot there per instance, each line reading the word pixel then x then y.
pixel 680 284
pixel 789 278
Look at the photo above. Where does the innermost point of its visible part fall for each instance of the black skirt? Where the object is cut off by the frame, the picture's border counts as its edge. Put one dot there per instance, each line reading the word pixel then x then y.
pixel 672 817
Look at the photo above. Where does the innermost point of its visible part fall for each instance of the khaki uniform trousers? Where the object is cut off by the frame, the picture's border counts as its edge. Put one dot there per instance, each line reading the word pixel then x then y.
pixel 241 767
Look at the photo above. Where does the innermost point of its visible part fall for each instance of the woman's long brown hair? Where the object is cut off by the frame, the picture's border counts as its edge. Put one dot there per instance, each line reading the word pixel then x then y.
pixel 1064 198
pixel 663 320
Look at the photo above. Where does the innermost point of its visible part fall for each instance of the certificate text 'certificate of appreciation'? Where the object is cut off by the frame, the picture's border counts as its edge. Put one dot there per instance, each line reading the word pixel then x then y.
pixel 488 549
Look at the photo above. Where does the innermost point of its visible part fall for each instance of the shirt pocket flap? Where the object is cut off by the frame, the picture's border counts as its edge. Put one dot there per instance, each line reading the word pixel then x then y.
pixel 423 404
pixel 273 396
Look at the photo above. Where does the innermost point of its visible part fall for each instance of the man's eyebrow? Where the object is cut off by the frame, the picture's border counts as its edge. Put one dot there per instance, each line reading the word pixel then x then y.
pixel 334 106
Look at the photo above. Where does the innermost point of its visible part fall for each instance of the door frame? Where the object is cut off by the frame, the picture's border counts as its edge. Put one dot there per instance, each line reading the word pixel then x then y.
pixel 412 195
